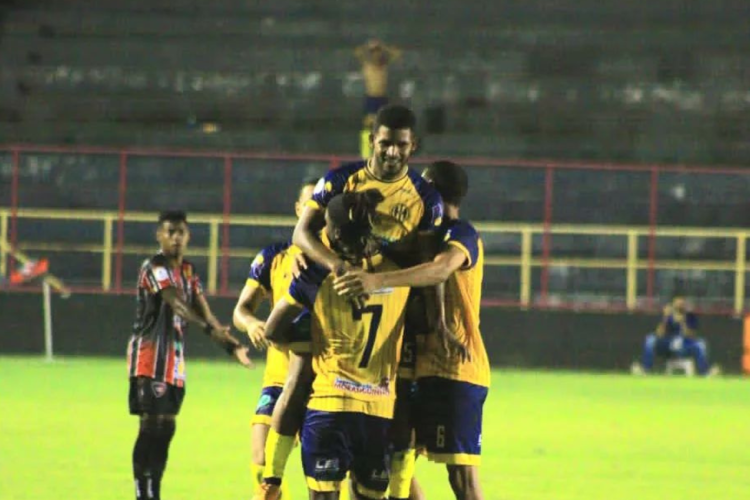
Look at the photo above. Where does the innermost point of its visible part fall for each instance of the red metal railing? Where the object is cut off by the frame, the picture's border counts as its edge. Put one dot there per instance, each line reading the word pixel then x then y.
pixel 229 158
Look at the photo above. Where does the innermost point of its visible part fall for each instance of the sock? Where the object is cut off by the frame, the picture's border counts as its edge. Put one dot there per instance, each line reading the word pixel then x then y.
pixel 141 469
pixel 403 464
pixel 345 491
pixel 159 453
pixel 278 449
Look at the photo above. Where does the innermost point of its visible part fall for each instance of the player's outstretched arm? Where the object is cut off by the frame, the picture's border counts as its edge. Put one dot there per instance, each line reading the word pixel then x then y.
pixel 356 282
pixel 306 238
pixel 202 316
pixel 244 318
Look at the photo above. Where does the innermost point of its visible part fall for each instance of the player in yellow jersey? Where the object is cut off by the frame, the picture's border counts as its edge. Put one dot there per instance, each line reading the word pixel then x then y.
pixel 269 278
pixel 410 203
pixel 451 388
pixel 355 358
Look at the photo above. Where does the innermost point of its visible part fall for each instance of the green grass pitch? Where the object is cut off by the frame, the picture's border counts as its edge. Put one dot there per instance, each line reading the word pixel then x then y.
pixel 65 433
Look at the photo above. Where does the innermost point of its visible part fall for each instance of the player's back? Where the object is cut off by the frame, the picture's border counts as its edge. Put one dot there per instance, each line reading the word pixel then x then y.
pixel 463 295
pixel 355 351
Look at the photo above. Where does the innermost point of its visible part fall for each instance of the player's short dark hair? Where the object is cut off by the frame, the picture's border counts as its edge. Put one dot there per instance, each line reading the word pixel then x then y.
pixel 172 216
pixel 450 180
pixel 395 117
pixel 354 213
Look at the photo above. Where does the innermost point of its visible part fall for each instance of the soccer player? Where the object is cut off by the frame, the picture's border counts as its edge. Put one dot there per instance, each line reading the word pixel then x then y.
pixel 355 357
pixel 270 276
pixel 169 297
pixel 411 205
pixel 452 385
pixel 676 336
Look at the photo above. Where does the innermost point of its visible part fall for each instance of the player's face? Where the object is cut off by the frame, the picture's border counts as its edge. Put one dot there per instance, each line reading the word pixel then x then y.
pixel 305 195
pixel 173 237
pixel 391 150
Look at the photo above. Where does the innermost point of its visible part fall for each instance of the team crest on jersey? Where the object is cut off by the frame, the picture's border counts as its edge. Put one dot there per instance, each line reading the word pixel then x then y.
pixel 158 388
pixel 400 212
pixel 161 274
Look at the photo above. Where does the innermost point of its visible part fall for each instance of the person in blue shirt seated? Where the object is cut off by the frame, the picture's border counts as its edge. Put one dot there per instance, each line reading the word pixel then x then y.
pixel 675 337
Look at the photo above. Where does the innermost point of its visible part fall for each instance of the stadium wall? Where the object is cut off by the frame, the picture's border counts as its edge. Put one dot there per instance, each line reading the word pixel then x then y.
pixel 100 325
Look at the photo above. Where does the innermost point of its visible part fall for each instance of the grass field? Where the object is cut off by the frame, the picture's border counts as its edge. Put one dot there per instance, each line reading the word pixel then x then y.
pixel 65 434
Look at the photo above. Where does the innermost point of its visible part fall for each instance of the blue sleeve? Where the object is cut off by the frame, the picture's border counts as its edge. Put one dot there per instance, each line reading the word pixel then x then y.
pixel 260 269
pixel 432 217
pixel 466 238
pixel 304 289
pixel 332 183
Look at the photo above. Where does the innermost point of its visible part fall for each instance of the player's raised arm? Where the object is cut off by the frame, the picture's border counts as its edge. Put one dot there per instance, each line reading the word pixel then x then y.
pixel 306 238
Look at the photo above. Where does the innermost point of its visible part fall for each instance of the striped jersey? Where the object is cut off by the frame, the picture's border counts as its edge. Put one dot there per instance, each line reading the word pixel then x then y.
pixel 157 345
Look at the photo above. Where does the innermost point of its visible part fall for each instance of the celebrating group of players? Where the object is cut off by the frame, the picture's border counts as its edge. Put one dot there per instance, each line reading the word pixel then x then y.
pixel 374 350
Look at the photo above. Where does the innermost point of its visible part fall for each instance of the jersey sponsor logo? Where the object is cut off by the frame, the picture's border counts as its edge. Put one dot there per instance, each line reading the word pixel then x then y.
pixel 327 465
pixel 382 291
pixel 400 212
pixel 159 389
pixel 373 390
pixel 161 274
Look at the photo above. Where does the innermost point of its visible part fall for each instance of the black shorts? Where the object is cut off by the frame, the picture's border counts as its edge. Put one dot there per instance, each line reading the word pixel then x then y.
pixel 150 397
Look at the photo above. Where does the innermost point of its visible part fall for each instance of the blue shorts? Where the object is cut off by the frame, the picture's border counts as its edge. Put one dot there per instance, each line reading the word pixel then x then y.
pixel 334 443
pixel 267 402
pixel 448 420
pixel 373 104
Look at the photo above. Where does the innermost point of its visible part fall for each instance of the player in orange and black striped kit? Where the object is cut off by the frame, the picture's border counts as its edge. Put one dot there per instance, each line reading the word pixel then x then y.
pixel 169 297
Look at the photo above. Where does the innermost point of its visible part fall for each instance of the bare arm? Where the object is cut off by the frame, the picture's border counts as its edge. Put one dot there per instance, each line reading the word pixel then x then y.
pixel 244 318
pixel 201 315
pixel 306 238
pixel 185 311
pixel 279 323
pixel 357 282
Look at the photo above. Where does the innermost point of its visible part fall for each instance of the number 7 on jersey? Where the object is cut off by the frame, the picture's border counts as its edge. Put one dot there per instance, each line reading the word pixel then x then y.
pixel 377 313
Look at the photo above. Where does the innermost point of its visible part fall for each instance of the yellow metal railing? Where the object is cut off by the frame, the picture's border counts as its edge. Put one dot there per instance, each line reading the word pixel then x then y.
pixel 525 261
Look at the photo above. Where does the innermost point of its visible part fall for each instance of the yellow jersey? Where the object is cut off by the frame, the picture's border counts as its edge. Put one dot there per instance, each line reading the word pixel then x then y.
pixel 355 351
pixel 463 294
pixel 410 204
pixel 271 270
